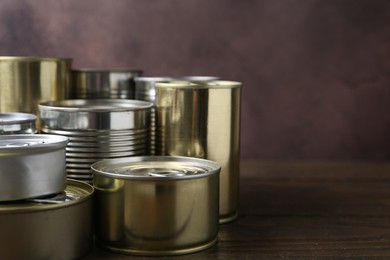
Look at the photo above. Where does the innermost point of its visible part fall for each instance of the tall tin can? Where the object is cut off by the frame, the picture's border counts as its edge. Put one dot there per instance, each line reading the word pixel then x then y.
pixel 156 205
pixel 145 89
pixel 203 120
pixel 104 83
pixel 27 81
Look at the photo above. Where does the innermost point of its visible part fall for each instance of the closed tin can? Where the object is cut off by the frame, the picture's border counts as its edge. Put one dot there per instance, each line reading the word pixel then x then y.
pixel 17 123
pixel 203 120
pixel 104 83
pixel 160 205
pixel 31 166
pixel 27 81
pixel 97 129
pixel 54 227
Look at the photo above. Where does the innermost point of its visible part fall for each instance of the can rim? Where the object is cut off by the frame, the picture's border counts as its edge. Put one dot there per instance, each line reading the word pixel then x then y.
pixel 52 142
pixel 189 85
pixel 16 118
pixel 153 79
pixel 26 206
pixel 97 167
pixel 33 58
pixel 105 70
pixel 81 105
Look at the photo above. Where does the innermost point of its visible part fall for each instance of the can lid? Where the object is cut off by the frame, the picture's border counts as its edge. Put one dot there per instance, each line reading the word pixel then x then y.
pixel 95 105
pixel 12 118
pixel 74 193
pixel 23 143
pixel 156 168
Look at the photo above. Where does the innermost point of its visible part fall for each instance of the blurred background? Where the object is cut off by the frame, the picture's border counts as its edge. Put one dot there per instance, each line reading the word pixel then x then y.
pixel 315 73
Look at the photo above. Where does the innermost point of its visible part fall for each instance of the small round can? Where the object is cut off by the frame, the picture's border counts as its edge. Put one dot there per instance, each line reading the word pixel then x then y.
pixel 31 165
pixel 17 123
pixel 156 205
pixel 104 83
pixel 54 227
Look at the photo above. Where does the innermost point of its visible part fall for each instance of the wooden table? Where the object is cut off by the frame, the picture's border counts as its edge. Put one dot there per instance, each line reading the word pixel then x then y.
pixel 304 209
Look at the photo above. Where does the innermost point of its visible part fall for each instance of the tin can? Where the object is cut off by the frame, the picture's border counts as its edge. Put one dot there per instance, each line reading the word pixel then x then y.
pixel 97 129
pixel 17 123
pixel 27 81
pixel 54 227
pixel 156 205
pixel 31 166
pixel 145 90
pixel 104 83
pixel 203 120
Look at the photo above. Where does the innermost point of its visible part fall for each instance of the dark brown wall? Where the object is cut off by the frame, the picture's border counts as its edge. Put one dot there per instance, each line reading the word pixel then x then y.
pixel 316 73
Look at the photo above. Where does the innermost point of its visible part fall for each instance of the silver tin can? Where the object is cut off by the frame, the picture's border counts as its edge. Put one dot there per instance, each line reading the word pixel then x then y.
pixel 17 123
pixel 203 120
pixel 54 227
pixel 162 205
pixel 104 83
pixel 97 129
pixel 31 166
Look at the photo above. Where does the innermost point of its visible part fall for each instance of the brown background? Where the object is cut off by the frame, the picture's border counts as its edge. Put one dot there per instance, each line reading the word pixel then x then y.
pixel 315 72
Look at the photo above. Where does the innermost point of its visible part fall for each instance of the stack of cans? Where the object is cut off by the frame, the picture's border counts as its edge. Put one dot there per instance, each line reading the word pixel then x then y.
pixel 97 129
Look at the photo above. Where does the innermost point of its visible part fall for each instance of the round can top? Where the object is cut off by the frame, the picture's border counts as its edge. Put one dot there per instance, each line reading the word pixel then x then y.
pixel 74 193
pixel 156 168
pixel 105 70
pixel 25 142
pixel 213 84
pixel 95 105
pixel 152 79
pixel 15 118
pixel 198 78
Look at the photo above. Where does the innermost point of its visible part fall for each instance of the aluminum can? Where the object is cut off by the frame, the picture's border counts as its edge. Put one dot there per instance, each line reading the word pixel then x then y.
pixel 97 129
pixel 104 83
pixel 17 123
pixel 156 205
pixel 27 81
pixel 31 166
pixel 52 227
pixel 203 120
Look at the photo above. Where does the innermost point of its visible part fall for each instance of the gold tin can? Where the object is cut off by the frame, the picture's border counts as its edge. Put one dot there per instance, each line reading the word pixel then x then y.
pixel 56 227
pixel 27 81
pixel 156 205
pixel 104 83
pixel 203 120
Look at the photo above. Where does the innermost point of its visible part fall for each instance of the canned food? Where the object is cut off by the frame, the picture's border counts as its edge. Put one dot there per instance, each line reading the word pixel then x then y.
pixel 97 83
pixel 53 227
pixel 98 129
pixel 27 81
pixel 17 123
pixel 156 205
pixel 31 166
pixel 203 120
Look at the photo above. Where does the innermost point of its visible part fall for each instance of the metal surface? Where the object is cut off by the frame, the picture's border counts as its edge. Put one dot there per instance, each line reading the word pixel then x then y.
pixel 203 120
pixel 111 83
pixel 198 79
pixel 98 129
pixel 31 166
pixel 156 205
pixel 56 227
pixel 17 123
pixel 27 81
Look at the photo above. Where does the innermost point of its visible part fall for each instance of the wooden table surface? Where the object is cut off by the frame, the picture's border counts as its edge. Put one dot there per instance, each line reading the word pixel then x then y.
pixel 303 209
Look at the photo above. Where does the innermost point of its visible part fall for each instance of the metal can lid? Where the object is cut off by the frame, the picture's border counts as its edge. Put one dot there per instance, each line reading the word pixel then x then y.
pixel 152 79
pixel 156 168
pixel 14 118
pixel 23 143
pixel 75 192
pixel 95 105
